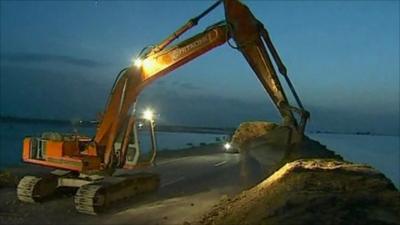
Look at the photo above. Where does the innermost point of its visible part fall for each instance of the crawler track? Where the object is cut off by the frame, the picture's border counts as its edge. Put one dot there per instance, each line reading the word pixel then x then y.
pixel 94 198
pixel 90 199
pixel 26 190
pixel 34 189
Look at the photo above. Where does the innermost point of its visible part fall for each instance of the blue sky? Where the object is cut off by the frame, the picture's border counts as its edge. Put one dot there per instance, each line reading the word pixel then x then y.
pixel 59 60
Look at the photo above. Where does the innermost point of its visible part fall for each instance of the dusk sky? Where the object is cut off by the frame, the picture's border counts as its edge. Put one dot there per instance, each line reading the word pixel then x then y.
pixel 59 60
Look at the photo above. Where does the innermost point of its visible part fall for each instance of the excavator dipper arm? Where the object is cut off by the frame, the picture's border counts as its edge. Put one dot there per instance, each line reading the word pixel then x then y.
pixel 250 36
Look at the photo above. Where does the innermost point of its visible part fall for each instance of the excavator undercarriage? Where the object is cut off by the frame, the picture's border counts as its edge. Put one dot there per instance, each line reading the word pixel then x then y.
pixel 94 194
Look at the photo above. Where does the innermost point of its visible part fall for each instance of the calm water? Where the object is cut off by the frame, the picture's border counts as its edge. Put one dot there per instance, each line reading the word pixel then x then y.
pixel 381 152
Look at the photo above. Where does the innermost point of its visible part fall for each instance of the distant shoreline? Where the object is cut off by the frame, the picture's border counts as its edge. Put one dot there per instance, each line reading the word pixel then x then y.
pixel 35 120
pixel 169 128
pixel 367 133
pixel 93 123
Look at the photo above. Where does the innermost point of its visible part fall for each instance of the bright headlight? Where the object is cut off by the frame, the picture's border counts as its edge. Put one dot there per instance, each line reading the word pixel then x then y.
pixel 138 62
pixel 227 146
pixel 148 114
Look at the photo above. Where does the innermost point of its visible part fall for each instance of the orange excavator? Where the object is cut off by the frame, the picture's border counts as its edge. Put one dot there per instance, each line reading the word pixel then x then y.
pixel 88 163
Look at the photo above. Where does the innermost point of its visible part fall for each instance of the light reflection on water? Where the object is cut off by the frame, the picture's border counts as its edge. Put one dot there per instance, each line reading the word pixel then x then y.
pixel 381 152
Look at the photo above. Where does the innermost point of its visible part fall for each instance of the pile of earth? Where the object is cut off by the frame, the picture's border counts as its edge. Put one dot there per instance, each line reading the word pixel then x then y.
pixel 265 147
pixel 247 131
pixel 253 135
pixel 313 191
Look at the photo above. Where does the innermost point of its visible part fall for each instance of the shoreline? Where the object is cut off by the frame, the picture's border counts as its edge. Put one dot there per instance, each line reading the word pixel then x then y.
pixel 168 128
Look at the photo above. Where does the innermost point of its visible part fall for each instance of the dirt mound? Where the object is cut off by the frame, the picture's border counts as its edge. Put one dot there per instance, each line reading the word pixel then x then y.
pixel 270 152
pixel 248 131
pixel 308 149
pixel 314 191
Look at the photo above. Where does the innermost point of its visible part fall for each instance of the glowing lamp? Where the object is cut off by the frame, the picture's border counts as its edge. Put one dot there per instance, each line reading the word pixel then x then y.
pixel 148 114
pixel 138 62
pixel 227 146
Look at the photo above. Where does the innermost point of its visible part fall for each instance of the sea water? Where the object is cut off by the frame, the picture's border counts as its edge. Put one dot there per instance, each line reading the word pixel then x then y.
pixel 381 152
